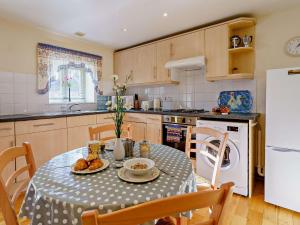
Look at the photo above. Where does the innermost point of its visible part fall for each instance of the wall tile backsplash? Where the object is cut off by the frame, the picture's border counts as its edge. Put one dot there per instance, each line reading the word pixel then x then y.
pixel 193 91
pixel 18 93
pixel 18 96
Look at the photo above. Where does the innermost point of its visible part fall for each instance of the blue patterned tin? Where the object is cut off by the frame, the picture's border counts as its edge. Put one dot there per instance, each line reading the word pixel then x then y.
pixel 237 101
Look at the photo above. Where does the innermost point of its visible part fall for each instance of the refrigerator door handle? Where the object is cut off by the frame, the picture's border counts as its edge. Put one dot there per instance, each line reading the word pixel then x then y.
pixel 278 149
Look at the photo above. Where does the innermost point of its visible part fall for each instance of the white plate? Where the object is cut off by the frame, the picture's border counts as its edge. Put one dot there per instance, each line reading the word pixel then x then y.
pixel 129 177
pixel 87 171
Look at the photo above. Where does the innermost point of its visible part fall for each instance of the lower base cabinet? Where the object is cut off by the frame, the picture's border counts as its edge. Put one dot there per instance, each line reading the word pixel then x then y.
pixel 78 137
pixel 45 145
pixel 138 131
pixel 153 133
pixel 7 142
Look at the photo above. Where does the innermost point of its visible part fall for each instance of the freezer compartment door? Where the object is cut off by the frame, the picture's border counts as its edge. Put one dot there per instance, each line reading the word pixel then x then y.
pixel 282 180
pixel 282 108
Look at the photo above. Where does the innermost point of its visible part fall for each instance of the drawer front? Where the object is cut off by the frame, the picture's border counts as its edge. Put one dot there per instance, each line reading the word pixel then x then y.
pixel 35 126
pixel 6 129
pixel 76 121
pixel 106 118
pixel 135 117
pixel 154 119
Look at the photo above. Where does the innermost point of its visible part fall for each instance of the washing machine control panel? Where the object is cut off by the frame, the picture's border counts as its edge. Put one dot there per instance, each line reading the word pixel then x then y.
pixel 232 128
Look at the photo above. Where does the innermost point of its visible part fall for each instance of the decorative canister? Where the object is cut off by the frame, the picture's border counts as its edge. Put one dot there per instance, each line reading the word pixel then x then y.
pixel 144 149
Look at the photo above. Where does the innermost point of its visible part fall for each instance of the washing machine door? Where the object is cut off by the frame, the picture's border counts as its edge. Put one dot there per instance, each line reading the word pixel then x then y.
pixel 231 155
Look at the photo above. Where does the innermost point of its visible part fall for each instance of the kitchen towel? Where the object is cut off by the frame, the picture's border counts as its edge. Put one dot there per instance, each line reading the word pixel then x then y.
pixel 173 133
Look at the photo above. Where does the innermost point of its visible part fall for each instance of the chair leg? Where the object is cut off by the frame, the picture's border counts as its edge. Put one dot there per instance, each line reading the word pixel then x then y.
pixel 181 221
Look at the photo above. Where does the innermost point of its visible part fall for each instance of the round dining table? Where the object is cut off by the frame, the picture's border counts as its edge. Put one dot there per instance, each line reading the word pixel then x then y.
pixel 57 196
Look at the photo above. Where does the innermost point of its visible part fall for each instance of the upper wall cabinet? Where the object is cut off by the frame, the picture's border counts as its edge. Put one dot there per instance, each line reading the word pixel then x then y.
pixel 124 63
pixel 163 55
pixel 145 64
pixel 187 45
pixel 225 61
pixel 216 45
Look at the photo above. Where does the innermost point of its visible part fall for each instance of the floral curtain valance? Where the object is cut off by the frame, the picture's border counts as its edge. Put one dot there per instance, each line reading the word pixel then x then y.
pixel 48 54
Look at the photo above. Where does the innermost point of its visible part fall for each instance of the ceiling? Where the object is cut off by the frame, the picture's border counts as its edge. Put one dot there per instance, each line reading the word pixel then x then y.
pixel 103 21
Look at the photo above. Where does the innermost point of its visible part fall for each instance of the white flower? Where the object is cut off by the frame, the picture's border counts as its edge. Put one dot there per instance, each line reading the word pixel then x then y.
pixel 108 103
pixel 115 77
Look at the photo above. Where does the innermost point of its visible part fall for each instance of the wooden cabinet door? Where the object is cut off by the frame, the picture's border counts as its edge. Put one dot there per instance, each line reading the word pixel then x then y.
pixel 145 64
pixel 124 62
pixel 78 137
pixel 78 130
pixel 138 131
pixel 7 142
pixel 163 55
pixel 187 45
pixel 153 133
pixel 216 51
pixel 45 145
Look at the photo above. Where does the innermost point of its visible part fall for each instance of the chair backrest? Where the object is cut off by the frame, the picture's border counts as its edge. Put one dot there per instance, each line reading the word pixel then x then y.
pixel 218 200
pixel 105 132
pixel 7 196
pixel 216 152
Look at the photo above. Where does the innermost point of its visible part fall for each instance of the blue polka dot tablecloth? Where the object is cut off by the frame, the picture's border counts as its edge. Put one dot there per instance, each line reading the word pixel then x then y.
pixel 56 196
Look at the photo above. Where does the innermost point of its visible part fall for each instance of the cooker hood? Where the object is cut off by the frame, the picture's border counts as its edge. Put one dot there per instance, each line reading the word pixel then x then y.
pixel 193 63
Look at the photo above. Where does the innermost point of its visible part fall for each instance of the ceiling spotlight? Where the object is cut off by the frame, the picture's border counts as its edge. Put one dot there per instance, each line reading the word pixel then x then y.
pixel 165 14
pixel 124 29
pixel 79 34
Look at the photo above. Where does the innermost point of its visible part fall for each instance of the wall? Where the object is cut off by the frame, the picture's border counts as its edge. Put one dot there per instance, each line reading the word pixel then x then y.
pixel 193 91
pixel 18 65
pixel 272 32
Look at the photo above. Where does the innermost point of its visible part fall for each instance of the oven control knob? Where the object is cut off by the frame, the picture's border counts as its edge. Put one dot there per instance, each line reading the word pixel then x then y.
pixel 167 119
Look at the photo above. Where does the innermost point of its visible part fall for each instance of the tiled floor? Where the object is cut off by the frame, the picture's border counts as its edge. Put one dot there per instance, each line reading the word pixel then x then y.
pixel 246 211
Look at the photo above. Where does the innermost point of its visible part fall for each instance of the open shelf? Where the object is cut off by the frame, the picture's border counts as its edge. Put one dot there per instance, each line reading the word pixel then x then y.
pixel 234 76
pixel 240 49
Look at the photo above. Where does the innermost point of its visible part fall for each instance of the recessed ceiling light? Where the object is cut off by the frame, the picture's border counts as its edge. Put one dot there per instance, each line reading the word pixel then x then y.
pixel 124 29
pixel 79 34
pixel 165 14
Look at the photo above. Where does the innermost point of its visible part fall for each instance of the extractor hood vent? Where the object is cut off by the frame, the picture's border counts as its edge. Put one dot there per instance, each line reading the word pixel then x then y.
pixel 193 63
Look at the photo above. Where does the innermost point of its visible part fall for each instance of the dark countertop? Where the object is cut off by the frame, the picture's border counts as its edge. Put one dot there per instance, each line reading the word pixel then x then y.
pixel 206 115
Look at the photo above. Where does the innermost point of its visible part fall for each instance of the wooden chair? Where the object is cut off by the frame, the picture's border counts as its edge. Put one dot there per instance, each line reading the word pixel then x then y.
pixel 98 133
pixel 8 193
pixel 218 200
pixel 216 157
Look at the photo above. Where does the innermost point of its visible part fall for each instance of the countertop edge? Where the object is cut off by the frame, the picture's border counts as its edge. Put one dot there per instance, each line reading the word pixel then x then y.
pixel 205 115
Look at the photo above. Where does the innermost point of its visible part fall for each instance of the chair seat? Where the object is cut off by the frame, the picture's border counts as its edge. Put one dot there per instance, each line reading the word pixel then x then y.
pixel 202 183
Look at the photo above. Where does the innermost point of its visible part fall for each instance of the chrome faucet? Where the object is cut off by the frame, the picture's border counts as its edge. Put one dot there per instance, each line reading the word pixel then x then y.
pixel 71 106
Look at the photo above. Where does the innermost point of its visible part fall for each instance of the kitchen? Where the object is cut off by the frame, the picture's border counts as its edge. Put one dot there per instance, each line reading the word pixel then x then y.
pixel 196 86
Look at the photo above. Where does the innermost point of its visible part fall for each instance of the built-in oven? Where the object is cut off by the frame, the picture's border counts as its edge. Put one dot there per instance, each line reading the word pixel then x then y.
pixel 178 125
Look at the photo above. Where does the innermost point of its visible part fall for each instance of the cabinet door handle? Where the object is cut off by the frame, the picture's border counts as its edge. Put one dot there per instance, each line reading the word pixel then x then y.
pixel 5 129
pixel 12 144
pixel 43 124
pixel 294 72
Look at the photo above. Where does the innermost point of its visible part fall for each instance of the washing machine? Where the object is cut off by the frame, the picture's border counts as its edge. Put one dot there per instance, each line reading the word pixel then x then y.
pixel 235 162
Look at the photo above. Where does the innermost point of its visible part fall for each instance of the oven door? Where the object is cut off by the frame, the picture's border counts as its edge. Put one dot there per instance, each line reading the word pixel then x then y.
pixel 178 144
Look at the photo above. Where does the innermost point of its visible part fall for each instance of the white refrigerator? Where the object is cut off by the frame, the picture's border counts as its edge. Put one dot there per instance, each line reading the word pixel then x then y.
pixel 282 161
